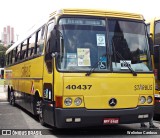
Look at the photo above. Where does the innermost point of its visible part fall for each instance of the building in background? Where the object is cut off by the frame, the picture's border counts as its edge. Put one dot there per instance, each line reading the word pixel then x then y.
pixel 12 35
pixel 8 36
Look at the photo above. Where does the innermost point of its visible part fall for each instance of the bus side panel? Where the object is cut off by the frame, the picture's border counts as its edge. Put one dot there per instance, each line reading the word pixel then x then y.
pixel 25 80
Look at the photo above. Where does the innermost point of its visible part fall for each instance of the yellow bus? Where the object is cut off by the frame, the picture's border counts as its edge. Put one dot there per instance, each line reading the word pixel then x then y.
pixel 153 27
pixel 83 67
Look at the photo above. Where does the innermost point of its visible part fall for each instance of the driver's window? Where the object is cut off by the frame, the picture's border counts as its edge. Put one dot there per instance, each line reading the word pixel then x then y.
pixel 156 61
pixel 48 57
pixel 157 33
pixel 49 30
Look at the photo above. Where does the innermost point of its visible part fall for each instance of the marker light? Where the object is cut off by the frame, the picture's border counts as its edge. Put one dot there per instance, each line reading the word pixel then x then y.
pixel 68 101
pixel 142 100
pixel 149 99
pixel 78 101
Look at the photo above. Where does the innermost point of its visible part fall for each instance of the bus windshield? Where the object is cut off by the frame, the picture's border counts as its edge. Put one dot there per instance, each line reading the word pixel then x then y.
pixel 129 43
pixel 87 40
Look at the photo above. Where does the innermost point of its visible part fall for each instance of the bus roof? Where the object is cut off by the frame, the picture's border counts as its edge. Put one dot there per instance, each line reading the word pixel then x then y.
pixel 94 12
pixel 91 12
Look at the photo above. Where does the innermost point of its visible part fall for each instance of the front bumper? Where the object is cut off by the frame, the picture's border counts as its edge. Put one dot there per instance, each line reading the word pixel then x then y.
pixel 96 117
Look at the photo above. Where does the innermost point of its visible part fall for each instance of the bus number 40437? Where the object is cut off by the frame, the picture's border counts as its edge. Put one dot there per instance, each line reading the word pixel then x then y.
pixel 80 87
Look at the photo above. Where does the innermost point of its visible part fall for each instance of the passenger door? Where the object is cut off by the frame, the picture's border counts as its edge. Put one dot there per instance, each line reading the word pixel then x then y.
pixel 48 93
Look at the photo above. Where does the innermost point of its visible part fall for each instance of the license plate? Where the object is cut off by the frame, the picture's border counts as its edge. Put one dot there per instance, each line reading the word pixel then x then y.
pixel 111 121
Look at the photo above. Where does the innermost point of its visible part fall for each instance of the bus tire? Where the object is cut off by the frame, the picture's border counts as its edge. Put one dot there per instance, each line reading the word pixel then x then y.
pixel 12 98
pixel 41 117
pixel 36 104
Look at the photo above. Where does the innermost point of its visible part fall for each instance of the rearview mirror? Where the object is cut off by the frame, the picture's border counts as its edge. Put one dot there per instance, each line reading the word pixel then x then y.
pixel 52 42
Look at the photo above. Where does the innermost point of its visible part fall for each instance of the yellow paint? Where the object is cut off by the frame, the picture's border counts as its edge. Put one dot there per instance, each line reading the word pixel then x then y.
pixel 95 90
pixel 123 87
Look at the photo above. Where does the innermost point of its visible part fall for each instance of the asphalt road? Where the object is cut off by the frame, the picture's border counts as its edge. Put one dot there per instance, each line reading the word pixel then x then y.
pixel 17 121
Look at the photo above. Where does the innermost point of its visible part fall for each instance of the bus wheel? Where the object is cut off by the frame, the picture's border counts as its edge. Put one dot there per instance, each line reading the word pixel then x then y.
pixel 12 98
pixel 41 117
pixel 37 103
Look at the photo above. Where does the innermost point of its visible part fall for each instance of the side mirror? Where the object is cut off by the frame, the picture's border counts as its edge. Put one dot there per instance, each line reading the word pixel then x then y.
pixel 53 42
pixel 56 41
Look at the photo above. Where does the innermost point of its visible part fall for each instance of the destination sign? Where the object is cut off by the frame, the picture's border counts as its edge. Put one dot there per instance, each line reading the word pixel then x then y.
pixel 82 21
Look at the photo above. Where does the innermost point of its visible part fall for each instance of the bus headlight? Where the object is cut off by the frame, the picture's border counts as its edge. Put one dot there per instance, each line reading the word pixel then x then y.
pixel 68 101
pixel 142 100
pixel 78 101
pixel 149 99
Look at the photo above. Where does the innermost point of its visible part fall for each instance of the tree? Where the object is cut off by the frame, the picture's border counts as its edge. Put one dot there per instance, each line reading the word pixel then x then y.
pixel 2 55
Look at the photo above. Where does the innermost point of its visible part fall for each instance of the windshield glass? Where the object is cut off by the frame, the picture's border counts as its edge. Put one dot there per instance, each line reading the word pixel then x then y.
pixel 129 41
pixel 84 43
pixel 100 45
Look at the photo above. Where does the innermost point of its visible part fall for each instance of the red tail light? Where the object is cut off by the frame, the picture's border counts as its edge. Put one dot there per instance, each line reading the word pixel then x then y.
pixel 59 101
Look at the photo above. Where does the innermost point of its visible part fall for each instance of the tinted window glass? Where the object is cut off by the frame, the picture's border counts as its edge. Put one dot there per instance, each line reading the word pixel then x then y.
pixel 157 33
pixel 129 42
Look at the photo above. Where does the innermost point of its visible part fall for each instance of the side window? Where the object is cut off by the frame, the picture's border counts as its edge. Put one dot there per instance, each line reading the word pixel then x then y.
pixel 13 56
pixel 157 33
pixel 31 45
pixel 18 53
pixel 10 57
pixel 6 59
pixel 23 52
pixel 27 48
pixel 40 40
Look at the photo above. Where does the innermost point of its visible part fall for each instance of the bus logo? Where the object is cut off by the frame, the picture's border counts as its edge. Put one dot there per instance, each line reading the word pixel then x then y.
pixel 112 102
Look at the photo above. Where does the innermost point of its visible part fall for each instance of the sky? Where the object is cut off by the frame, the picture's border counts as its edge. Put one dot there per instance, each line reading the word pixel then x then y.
pixel 23 14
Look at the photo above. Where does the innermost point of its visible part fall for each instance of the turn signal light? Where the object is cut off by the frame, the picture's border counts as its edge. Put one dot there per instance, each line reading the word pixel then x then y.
pixel 59 101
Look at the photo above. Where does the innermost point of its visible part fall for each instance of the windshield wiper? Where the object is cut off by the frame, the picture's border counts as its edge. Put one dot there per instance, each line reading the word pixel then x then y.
pixel 94 66
pixel 124 61
pixel 121 58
